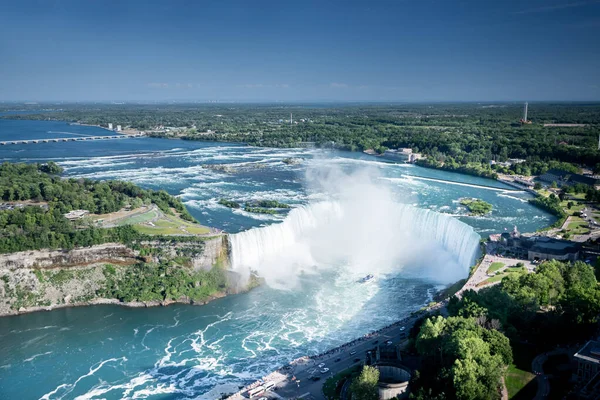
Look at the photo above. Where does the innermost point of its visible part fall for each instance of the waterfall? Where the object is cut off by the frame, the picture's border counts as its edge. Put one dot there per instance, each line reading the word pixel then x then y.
pixel 322 234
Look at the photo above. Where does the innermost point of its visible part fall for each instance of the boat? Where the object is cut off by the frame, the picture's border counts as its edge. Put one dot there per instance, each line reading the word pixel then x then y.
pixel 366 278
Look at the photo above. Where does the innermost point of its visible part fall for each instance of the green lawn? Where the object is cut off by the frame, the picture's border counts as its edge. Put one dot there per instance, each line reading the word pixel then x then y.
pixel 138 219
pixel 172 225
pixel 578 226
pixel 498 278
pixel 516 379
pixel 576 207
pixel 495 266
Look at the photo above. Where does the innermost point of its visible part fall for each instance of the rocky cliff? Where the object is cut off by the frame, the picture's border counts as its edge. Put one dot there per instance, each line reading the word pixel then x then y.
pixel 46 279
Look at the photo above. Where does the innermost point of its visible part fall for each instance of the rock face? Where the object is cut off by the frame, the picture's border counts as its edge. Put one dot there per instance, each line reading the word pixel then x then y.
pixel 39 259
pixel 46 279
pixel 216 251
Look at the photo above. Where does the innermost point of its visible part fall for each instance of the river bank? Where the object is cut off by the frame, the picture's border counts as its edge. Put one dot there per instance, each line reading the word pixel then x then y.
pixel 114 302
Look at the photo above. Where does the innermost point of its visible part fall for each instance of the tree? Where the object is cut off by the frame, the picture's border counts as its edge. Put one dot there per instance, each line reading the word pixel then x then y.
pixel 364 386
pixel 537 186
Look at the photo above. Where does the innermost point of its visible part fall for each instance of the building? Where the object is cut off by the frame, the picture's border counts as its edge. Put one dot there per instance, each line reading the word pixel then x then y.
pixel 405 154
pixel 118 128
pixel 564 178
pixel 588 370
pixel 540 247
pixel 76 214
pixel 110 126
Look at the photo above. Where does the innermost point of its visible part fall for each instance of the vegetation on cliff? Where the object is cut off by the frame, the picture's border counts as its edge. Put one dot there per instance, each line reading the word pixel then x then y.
pixel 162 281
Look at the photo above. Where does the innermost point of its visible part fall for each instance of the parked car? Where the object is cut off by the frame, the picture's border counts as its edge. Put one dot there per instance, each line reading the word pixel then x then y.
pixel 325 370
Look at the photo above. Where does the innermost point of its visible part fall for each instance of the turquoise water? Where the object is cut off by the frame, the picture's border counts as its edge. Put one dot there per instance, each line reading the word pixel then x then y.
pixel 190 351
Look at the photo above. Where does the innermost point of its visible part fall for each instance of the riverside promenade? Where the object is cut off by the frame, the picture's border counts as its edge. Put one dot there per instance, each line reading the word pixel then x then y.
pixel 294 381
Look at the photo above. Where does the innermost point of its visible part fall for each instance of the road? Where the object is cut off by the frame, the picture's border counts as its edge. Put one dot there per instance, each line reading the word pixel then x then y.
pixel 542 380
pixel 288 387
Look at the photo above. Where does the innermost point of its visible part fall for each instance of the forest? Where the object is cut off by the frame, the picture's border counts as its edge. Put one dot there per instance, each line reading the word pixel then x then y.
pixel 465 354
pixel 39 198
pixel 463 137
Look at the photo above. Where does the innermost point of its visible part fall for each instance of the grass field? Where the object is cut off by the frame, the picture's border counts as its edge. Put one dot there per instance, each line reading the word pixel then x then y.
pixel 506 272
pixel 495 266
pixel 516 379
pixel 171 225
pixel 578 226
pixel 138 219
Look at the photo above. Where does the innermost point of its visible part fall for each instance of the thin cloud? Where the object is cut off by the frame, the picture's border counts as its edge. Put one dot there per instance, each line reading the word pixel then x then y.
pixel 262 85
pixel 338 85
pixel 556 7
pixel 158 85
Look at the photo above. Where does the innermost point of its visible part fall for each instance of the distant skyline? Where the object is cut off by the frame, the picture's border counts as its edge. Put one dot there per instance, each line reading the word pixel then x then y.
pixel 300 51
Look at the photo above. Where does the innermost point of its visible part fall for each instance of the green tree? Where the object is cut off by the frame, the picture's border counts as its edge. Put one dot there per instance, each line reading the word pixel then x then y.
pixel 364 386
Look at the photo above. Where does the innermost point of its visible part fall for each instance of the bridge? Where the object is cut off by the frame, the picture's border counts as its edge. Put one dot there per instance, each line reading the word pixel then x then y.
pixel 71 139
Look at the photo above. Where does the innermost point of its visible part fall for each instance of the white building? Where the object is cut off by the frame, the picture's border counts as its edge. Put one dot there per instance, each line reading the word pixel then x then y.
pixel 110 126
pixel 76 214
pixel 118 128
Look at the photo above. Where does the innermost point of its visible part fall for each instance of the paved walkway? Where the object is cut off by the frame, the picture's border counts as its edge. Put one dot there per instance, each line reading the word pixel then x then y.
pixel 480 274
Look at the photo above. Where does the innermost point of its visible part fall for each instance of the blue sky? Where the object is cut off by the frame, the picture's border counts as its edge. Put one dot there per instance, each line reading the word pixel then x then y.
pixel 290 50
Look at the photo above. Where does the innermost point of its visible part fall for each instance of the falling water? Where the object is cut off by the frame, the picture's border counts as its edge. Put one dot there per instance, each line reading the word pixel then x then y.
pixel 332 233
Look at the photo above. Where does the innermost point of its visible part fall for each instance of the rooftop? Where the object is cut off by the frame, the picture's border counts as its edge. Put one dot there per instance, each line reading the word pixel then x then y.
pixel 590 352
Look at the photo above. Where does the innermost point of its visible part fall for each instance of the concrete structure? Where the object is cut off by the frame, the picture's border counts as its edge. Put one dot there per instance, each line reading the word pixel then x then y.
pixel 76 214
pixel 118 128
pixel 393 381
pixel 110 126
pixel 393 376
pixel 588 370
pixel 540 247
pixel 404 154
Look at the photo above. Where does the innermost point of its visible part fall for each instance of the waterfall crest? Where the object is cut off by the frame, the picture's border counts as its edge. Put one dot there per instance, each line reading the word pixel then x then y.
pixel 324 234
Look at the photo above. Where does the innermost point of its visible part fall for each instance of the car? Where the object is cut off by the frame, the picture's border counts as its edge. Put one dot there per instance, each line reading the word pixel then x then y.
pixel 338 359
pixel 325 370
pixel 402 328
pixel 353 352
pixel 315 378
pixel 321 365
pixel 263 398
pixel 375 342
pixel 388 342
pixel 356 360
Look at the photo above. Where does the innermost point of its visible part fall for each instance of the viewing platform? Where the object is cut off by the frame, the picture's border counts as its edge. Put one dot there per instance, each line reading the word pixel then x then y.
pixel 71 139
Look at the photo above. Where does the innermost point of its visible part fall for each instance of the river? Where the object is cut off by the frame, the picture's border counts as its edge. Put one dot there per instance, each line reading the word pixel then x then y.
pixel 198 352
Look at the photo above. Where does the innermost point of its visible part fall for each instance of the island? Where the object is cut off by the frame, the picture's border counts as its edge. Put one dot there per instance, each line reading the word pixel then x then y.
pixel 476 206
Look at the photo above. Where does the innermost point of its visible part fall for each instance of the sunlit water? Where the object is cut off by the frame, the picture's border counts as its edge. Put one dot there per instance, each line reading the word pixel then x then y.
pixel 190 351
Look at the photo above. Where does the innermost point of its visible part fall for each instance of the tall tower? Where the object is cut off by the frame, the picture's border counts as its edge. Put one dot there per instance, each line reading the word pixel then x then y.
pixel 290 119
pixel 525 113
